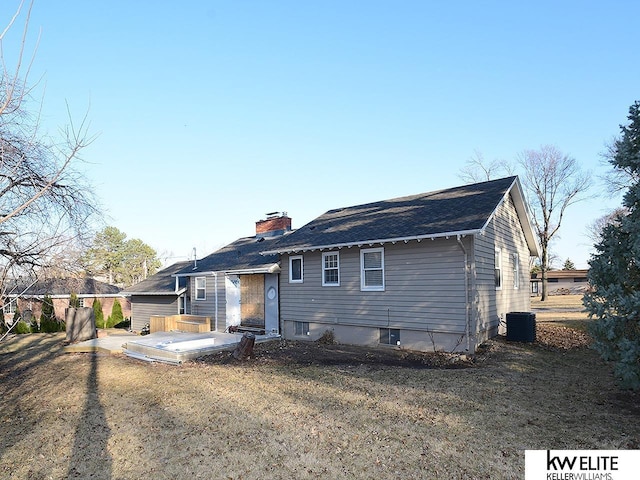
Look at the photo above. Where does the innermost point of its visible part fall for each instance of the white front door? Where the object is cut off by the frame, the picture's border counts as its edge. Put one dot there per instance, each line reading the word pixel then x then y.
pixel 271 313
pixel 232 295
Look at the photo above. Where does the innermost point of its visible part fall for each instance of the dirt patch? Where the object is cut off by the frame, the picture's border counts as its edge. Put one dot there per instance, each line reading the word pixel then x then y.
pixel 557 337
pixel 287 352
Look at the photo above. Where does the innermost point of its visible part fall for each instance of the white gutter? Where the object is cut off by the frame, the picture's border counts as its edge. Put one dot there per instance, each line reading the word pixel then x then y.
pixel 177 292
pixel 273 268
pixel 523 214
pixel 382 241
pixel 466 293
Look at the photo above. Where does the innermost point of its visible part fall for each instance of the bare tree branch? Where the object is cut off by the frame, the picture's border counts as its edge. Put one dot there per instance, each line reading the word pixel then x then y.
pixel 553 182
pixel 477 169
pixel 45 202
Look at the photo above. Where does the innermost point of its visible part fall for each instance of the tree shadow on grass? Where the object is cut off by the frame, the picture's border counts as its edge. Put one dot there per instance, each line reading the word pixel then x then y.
pixel 89 456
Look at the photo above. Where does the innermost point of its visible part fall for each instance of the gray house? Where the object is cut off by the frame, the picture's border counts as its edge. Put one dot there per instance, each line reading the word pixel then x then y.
pixel 160 294
pixel 236 286
pixel 437 270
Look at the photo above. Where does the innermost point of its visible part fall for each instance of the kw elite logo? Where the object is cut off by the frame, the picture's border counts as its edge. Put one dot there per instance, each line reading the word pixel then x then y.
pixel 581 464
pixel 581 467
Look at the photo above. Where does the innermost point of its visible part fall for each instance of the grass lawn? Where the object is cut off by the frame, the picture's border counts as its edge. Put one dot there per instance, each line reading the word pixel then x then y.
pixel 566 310
pixel 111 417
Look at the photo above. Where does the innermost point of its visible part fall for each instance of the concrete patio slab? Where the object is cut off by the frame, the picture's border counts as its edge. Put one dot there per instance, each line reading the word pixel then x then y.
pixel 111 344
pixel 170 347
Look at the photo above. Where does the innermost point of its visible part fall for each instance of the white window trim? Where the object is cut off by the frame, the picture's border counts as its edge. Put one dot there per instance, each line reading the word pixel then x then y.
pixel 516 270
pixel 291 259
pixel 9 307
pixel 498 255
pixel 337 255
pixel 204 290
pixel 371 288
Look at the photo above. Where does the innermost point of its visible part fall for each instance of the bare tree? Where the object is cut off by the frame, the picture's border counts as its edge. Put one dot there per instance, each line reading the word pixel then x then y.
pixel 553 181
pixel 477 169
pixel 44 200
pixel 595 228
pixel 618 178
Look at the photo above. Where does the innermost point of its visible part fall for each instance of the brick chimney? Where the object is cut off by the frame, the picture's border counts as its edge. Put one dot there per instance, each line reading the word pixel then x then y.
pixel 276 223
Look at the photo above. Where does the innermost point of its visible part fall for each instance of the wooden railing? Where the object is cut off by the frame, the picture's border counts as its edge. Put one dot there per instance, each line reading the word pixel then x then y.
pixel 182 323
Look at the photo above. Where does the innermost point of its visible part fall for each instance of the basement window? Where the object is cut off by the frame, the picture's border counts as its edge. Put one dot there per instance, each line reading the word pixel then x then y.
pixel 390 336
pixel 301 328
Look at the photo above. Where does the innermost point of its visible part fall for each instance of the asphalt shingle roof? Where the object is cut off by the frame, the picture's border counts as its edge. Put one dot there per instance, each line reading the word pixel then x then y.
pixel 243 254
pixel 460 209
pixel 160 283
pixel 66 286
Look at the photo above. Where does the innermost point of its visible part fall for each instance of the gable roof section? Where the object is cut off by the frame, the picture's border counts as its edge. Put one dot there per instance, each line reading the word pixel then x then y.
pixel 242 256
pixel 63 287
pixel 464 210
pixel 161 283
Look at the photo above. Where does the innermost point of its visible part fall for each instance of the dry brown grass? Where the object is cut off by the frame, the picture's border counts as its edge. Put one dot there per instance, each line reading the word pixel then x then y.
pixel 566 310
pixel 111 417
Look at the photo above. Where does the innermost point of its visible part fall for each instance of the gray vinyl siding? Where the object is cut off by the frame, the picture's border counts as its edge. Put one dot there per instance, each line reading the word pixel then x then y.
pixel 212 303
pixel 486 317
pixel 144 306
pixel 424 290
pixel 505 232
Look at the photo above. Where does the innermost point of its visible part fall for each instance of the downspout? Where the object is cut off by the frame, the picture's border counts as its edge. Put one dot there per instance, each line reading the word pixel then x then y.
pixel 215 285
pixel 466 293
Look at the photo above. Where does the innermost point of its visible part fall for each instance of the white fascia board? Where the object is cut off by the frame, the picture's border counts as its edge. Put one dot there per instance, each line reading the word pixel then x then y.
pixel 179 292
pixel 523 214
pixel 65 296
pixel 381 241
pixel 195 274
pixel 273 268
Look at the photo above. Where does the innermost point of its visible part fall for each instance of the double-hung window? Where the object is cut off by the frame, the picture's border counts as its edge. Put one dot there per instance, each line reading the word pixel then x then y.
pixel 296 269
pixel 201 288
pixel 372 269
pixel 516 271
pixel 498 269
pixel 9 307
pixel 330 269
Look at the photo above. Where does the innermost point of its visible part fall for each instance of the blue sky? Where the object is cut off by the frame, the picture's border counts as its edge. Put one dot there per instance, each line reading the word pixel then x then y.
pixel 210 114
